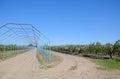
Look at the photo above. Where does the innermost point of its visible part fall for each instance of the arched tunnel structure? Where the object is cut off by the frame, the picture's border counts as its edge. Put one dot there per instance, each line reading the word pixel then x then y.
pixel 16 38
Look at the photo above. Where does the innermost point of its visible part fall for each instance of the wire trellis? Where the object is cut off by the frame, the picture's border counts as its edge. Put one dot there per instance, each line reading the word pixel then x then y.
pixel 17 38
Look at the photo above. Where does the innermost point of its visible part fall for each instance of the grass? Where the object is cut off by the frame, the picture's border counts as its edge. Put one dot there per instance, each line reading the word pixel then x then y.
pixel 53 55
pixel 108 64
pixel 49 66
pixel 55 59
pixel 73 67
pixel 40 58
pixel 42 61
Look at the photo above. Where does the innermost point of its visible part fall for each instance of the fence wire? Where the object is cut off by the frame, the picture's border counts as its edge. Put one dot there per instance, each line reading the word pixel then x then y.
pixel 17 38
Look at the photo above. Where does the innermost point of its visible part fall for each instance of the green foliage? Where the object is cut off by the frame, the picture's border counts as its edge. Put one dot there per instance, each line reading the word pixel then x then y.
pixel 1 47
pixel 11 47
pixel 117 47
pixel 108 63
pixel 92 48
pixel 7 51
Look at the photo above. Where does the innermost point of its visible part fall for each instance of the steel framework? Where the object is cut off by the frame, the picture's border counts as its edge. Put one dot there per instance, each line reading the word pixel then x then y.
pixel 21 34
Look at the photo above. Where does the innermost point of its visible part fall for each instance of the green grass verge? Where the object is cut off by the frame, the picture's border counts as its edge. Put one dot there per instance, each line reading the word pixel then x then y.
pixel 40 58
pixel 108 64
pixel 54 60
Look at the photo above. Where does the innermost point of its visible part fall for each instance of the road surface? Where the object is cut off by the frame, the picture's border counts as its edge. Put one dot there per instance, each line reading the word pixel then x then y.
pixel 26 66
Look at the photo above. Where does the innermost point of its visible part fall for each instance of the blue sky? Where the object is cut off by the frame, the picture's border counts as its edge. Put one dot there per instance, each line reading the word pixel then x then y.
pixel 67 21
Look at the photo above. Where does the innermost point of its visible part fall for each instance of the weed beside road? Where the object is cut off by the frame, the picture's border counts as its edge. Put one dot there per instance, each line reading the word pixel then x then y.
pixel 108 64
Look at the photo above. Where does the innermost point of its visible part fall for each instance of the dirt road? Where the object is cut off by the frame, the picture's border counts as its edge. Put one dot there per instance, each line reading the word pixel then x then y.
pixel 26 66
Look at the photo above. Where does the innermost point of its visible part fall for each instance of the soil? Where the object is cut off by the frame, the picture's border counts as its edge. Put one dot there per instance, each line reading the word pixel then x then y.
pixel 26 66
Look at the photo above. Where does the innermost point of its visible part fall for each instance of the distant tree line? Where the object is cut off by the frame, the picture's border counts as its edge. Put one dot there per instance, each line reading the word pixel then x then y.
pixel 97 48
pixel 11 47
